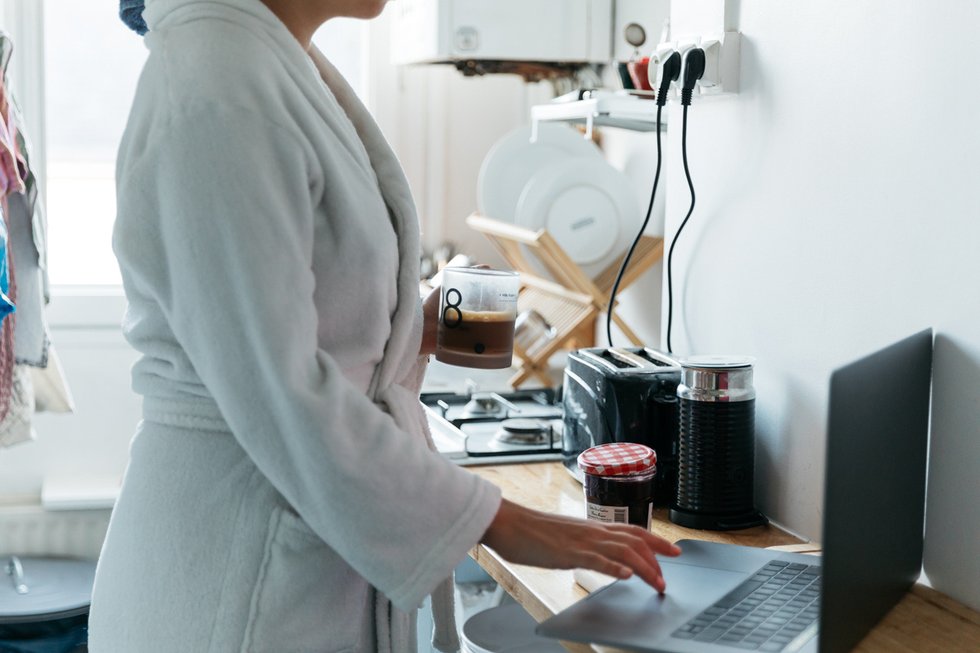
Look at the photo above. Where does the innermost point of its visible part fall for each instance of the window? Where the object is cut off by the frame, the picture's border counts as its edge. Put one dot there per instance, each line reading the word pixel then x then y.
pixel 91 64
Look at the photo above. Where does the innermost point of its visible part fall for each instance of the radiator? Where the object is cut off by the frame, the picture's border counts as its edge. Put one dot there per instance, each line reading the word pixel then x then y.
pixel 32 530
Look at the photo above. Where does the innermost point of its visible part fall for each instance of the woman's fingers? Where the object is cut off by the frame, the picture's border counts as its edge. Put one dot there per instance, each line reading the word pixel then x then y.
pixel 649 570
pixel 533 538
pixel 659 544
pixel 604 565
pixel 620 560
pixel 641 562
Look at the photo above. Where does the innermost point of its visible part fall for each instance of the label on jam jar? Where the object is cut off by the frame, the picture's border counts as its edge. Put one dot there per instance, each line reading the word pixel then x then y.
pixel 608 514
pixel 619 514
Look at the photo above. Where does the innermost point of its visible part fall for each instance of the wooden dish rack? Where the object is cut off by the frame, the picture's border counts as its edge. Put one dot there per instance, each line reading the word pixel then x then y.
pixel 570 301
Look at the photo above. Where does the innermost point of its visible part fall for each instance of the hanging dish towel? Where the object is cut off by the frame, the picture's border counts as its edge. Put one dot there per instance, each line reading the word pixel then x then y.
pixel 26 225
pixel 31 331
pixel 16 426
pixel 11 161
pixel 37 383
pixel 6 274
pixel 8 293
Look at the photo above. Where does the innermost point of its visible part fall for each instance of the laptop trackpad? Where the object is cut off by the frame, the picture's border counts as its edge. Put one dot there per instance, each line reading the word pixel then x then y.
pixel 631 613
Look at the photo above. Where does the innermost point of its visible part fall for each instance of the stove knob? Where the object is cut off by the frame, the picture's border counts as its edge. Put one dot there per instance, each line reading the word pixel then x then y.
pixel 444 407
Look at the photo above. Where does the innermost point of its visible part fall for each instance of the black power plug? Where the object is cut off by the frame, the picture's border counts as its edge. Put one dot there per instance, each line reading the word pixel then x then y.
pixel 671 72
pixel 694 63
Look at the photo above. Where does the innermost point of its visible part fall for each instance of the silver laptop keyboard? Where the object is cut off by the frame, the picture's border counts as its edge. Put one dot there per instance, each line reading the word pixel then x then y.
pixel 776 607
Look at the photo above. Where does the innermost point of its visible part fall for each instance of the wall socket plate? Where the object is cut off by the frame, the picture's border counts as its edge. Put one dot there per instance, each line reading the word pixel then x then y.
pixel 721 53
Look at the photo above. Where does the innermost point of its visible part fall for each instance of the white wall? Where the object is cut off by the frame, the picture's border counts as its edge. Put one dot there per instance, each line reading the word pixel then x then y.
pixel 837 212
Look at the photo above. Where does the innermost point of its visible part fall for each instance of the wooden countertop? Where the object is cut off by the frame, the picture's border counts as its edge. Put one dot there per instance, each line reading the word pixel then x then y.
pixel 924 620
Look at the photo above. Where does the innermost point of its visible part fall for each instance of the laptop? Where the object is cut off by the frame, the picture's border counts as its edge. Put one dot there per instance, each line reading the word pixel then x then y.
pixel 724 597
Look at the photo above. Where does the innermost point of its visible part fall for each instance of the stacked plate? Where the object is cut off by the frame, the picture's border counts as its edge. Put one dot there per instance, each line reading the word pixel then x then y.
pixel 561 183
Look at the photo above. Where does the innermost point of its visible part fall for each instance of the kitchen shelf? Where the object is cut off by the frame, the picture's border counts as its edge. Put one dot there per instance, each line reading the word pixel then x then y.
pixel 622 111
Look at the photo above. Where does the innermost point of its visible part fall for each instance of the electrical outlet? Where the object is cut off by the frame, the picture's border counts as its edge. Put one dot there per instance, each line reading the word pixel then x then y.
pixel 664 49
pixel 657 59
pixel 721 53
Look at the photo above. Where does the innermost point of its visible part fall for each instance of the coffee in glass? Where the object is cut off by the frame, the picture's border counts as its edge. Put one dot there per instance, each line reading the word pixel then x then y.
pixel 477 312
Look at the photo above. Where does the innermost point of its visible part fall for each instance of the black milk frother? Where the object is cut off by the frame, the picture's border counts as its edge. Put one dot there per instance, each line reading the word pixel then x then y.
pixel 716 445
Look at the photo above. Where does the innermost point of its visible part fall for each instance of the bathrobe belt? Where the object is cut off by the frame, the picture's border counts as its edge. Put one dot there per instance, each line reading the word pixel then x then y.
pixel 203 414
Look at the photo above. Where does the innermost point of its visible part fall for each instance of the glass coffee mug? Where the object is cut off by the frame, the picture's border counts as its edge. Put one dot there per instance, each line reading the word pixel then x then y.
pixel 476 317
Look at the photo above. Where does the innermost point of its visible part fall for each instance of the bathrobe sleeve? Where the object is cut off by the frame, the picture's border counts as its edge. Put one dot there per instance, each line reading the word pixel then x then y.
pixel 217 227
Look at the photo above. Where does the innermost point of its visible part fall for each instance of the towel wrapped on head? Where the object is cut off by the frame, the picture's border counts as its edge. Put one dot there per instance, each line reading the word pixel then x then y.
pixel 131 12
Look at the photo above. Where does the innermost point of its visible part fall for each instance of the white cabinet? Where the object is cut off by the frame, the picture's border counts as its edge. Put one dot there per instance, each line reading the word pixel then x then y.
pixel 648 15
pixel 435 31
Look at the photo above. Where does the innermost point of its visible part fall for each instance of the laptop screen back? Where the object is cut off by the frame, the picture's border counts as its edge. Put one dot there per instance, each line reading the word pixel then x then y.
pixel 874 500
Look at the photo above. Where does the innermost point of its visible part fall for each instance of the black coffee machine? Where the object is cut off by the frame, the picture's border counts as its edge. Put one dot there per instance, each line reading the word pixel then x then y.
pixel 624 394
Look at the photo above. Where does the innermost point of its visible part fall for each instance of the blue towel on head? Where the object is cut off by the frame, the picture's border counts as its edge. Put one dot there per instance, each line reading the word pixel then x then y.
pixel 131 12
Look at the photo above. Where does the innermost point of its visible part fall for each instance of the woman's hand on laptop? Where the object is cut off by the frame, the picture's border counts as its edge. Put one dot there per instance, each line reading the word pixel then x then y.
pixel 539 539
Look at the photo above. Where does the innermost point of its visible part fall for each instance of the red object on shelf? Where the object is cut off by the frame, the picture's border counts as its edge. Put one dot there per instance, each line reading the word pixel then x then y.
pixel 638 73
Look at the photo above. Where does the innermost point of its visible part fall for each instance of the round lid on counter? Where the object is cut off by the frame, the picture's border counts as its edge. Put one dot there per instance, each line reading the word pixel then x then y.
pixel 40 589
pixel 503 629
pixel 617 459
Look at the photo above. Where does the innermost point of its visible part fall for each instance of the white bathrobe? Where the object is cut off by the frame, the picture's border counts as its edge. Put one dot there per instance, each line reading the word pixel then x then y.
pixel 280 494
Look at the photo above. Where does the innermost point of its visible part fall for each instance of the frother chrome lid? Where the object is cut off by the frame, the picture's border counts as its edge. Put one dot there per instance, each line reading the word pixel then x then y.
pixel 717 362
pixel 716 378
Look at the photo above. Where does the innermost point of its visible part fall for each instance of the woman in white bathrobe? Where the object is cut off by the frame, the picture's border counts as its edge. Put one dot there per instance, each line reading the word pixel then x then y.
pixel 281 495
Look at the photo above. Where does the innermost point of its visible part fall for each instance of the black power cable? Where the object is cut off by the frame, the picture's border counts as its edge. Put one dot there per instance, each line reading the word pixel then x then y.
pixel 693 70
pixel 671 71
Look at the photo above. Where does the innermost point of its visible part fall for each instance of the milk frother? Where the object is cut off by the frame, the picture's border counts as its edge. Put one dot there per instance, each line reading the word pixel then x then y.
pixel 716 445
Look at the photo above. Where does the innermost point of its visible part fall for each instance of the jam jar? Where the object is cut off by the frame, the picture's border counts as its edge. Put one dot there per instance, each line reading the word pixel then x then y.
pixel 619 482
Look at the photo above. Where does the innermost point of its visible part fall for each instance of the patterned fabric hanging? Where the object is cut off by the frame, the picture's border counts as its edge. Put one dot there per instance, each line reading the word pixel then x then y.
pixel 24 343
pixel 11 181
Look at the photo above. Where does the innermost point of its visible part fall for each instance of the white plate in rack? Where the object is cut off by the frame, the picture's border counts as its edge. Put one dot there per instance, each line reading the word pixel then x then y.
pixel 514 159
pixel 588 206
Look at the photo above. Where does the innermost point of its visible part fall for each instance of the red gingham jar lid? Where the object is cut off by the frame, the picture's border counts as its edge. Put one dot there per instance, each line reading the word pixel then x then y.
pixel 617 459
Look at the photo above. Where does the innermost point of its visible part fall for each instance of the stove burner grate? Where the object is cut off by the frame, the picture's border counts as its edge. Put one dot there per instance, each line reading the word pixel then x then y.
pixel 466 433
pixel 523 431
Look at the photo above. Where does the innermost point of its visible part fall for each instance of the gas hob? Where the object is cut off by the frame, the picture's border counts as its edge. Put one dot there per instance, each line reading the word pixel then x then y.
pixel 482 428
